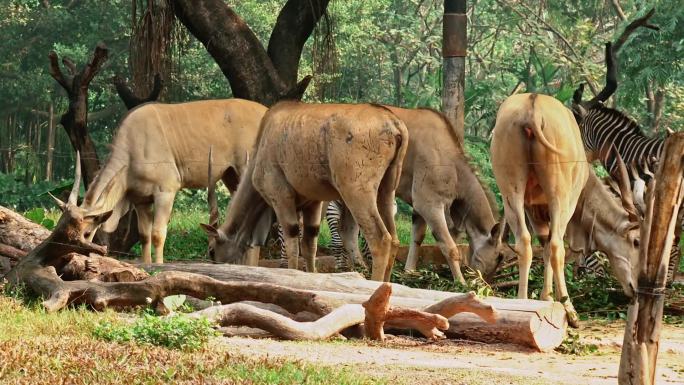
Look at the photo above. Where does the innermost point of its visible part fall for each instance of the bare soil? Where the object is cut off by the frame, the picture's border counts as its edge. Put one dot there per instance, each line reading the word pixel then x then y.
pixel 409 360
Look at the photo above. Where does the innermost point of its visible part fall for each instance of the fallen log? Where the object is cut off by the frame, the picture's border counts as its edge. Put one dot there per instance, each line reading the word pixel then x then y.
pixel 540 325
pixel 18 232
pixel 374 313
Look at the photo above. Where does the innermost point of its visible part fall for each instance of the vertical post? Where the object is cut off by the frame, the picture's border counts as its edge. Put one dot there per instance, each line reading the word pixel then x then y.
pixel 454 45
pixel 50 143
pixel 644 317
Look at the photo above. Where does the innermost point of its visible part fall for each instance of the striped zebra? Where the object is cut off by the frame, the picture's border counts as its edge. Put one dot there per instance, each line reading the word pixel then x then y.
pixel 608 133
pixel 346 257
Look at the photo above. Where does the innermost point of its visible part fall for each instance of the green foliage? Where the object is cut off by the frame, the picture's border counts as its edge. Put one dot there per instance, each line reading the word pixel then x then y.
pixel 14 193
pixel 572 344
pixel 267 373
pixel 39 216
pixel 174 332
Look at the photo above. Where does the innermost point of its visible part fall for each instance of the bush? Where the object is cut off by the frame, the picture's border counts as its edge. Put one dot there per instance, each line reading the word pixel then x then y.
pixel 174 332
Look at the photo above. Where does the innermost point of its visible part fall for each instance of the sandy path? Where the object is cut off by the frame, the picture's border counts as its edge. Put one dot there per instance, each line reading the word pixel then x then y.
pixel 409 360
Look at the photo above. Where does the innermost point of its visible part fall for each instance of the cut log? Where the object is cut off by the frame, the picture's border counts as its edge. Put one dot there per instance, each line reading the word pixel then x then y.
pixel 373 312
pixel 540 325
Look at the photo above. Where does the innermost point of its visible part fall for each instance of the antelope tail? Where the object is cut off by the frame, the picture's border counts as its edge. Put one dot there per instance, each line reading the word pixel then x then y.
pixel 535 124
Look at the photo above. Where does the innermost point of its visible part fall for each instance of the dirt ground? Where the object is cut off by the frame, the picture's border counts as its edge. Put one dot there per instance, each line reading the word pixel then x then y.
pixel 407 360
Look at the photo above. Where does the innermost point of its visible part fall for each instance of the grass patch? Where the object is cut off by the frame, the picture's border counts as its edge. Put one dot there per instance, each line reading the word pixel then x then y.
pixel 37 347
pixel 187 241
pixel 175 332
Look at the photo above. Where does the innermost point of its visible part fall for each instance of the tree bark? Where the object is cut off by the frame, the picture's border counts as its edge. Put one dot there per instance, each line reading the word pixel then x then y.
pixel 75 119
pixel 642 332
pixel 254 73
pixel 539 325
pixel 294 25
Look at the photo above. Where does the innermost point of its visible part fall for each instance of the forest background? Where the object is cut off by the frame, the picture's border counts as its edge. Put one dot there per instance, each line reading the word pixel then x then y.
pixel 383 51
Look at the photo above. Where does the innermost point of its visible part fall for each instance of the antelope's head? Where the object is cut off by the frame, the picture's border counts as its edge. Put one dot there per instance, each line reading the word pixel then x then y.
pixel 76 225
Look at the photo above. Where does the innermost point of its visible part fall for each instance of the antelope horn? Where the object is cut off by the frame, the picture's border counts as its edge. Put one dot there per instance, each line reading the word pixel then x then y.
pixel 211 193
pixel 60 203
pixel 625 190
pixel 73 197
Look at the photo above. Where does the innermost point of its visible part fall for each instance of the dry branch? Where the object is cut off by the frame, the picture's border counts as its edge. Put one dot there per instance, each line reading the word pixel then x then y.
pixel 538 324
pixel 373 313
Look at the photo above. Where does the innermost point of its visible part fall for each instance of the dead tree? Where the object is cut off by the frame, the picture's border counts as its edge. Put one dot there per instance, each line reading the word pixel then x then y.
pixel 254 73
pixel 644 319
pixel 75 119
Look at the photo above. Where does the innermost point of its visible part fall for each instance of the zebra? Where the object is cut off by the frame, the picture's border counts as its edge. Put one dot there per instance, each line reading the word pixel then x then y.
pixel 609 134
pixel 343 262
pixel 595 264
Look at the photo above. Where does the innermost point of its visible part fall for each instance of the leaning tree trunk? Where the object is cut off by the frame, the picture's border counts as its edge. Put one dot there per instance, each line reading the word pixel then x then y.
pixel 75 119
pixel 644 319
pixel 253 72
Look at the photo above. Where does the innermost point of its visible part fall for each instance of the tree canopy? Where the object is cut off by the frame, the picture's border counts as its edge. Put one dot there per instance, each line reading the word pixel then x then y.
pixel 385 51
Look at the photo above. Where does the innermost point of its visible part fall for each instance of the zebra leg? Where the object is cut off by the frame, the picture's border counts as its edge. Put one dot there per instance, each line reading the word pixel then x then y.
pixel 349 252
pixel 311 218
pixel 418 227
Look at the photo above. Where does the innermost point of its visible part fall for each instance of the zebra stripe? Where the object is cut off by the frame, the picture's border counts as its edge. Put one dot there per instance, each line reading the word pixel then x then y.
pixel 595 264
pixel 344 260
pixel 603 129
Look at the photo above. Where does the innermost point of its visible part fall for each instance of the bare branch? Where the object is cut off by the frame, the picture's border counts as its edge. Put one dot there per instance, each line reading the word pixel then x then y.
pixel 56 72
pixel 69 65
pixel 99 57
pixel 618 10
pixel 633 26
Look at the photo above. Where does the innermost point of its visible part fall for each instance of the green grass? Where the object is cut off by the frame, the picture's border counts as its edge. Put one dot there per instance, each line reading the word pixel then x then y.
pixel 187 241
pixel 50 348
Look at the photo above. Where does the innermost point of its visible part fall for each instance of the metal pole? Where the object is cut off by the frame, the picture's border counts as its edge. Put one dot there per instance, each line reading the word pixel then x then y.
pixel 454 45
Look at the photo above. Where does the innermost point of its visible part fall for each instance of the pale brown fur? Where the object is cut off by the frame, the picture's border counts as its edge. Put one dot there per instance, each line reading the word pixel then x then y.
pixel 540 166
pixel 436 177
pixel 309 153
pixel 162 148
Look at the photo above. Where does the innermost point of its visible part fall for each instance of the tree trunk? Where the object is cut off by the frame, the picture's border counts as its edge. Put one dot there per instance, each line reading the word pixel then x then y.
pixel 537 324
pixel 254 73
pixel 454 43
pixel 642 332
pixel 75 119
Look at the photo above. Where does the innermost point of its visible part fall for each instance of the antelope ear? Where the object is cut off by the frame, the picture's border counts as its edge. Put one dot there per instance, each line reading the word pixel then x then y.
pixel 100 218
pixel 210 230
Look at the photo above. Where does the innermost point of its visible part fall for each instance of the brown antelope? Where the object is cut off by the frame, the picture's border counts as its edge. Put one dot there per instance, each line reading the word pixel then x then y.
pixel 540 166
pixel 309 153
pixel 438 182
pixel 75 224
pixel 160 149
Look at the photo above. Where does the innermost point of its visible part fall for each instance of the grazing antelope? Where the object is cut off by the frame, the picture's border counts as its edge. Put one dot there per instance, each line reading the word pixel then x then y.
pixel 160 149
pixel 310 153
pixel 540 166
pixel 437 180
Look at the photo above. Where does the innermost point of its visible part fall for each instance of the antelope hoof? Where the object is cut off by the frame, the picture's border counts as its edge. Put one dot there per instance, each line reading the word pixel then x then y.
pixel 573 317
